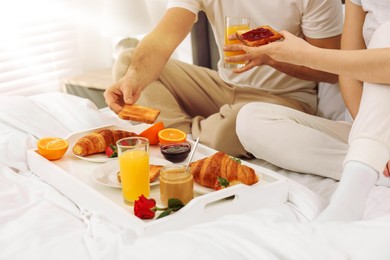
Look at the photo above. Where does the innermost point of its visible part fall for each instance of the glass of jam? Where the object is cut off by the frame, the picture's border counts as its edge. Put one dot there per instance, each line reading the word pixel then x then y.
pixel 175 152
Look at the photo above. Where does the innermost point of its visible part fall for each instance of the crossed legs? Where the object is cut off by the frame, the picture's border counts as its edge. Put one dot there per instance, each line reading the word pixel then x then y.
pixel 309 144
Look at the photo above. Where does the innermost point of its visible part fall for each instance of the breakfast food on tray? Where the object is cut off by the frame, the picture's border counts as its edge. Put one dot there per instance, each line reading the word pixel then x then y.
pixel 52 148
pixel 258 36
pixel 139 113
pixel 154 172
pixel 209 171
pixel 171 135
pixel 152 132
pixel 98 141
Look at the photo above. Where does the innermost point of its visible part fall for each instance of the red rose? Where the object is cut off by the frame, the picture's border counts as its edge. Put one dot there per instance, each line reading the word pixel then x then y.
pixel 144 208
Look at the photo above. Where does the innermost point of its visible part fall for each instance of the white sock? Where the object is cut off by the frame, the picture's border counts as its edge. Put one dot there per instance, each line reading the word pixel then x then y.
pixel 348 201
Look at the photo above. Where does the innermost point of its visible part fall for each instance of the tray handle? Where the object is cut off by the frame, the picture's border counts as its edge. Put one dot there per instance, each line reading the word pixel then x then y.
pixel 208 207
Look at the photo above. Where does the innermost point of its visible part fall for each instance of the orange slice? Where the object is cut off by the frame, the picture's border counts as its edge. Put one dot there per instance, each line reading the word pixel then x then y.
pixel 171 135
pixel 52 148
pixel 152 132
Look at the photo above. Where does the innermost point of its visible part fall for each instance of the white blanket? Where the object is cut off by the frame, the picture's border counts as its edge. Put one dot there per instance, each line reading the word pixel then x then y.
pixel 37 222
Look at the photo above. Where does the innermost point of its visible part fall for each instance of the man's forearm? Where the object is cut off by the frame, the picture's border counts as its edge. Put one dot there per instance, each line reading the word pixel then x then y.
pixel 147 62
pixel 303 72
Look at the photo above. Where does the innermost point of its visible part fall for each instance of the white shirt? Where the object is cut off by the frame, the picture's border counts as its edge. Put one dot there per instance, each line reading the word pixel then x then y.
pixel 312 18
pixel 378 12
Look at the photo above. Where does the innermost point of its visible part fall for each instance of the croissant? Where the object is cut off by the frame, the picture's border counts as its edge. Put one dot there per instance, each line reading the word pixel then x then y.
pixel 206 171
pixel 97 142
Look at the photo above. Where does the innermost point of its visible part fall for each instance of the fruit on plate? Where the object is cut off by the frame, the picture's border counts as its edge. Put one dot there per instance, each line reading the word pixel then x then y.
pixel 112 151
pixel 221 183
pixel 52 148
pixel 152 133
pixel 171 135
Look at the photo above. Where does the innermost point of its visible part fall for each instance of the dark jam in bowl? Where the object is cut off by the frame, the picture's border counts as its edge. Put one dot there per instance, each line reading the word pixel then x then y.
pixel 175 152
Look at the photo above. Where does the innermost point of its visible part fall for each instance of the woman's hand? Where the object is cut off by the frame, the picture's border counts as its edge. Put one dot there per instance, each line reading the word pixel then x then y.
pixel 291 49
pixel 386 171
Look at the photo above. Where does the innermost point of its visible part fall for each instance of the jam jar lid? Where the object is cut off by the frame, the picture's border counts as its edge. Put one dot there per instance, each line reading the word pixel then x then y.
pixel 174 172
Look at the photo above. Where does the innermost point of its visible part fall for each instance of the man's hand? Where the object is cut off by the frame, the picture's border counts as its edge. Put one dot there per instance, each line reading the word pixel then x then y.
pixel 250 60
pixel 124 91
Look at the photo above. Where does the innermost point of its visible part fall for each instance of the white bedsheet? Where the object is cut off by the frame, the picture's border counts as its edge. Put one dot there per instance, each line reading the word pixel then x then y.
pixel 37 222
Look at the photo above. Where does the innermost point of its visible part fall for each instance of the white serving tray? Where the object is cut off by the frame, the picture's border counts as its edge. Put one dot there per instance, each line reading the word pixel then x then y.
pixel 72 177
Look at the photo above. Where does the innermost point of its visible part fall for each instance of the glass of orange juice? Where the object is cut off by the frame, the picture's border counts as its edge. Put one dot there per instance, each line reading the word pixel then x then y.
pixel 232 25
pixel 133 155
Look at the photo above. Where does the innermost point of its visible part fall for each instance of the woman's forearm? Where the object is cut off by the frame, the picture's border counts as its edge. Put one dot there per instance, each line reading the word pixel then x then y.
pixel 351 90
pixel 370 65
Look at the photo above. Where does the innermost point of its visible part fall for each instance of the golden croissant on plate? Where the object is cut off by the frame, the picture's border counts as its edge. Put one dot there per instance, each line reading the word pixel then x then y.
pixel 97 142
pixel 206 171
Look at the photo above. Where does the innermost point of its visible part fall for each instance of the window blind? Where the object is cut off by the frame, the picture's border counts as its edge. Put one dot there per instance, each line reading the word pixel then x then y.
pixel 38 46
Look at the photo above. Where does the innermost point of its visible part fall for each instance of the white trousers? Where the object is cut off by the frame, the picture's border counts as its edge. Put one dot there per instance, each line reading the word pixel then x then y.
pixel 309 144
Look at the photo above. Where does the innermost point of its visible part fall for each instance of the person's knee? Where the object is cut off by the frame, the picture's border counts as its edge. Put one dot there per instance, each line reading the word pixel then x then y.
pixel 218 131
pixel 261 122
pixel 380 38
pixel 250 116
pixel 243 117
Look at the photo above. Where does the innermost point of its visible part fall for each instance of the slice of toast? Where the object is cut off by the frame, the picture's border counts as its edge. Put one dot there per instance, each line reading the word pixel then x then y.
pixel 154 173
pixel 139 113
pixel 258 36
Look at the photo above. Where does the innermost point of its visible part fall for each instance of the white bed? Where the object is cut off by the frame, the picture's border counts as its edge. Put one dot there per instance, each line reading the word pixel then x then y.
pixel 37 222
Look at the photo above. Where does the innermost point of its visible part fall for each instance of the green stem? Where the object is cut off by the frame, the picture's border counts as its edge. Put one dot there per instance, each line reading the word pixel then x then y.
pixel 157 208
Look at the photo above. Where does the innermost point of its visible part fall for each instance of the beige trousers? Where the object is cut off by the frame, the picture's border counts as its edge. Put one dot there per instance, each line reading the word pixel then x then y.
pixel 195 100
pixel 304 143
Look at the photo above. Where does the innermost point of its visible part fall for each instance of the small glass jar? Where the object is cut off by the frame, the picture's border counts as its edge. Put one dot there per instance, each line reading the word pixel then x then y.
pixel 176 152
pixel 176 182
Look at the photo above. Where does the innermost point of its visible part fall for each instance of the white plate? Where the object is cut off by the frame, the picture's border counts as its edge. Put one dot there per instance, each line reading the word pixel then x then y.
pixel 98 158
pixel 106 173
pixel 202 189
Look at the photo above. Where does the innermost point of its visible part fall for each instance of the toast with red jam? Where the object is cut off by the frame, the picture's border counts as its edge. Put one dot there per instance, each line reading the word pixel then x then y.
pixel 258 36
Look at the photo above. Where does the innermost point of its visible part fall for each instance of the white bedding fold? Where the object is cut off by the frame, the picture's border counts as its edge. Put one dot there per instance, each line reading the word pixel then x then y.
pixel 23 120
pixel 43 224
pixel 37 222
pixel 268 234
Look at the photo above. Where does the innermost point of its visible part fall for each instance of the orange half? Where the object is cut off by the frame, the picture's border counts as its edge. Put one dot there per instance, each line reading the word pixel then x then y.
pixel 52 148
pixel 152 133
pixel 171 135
